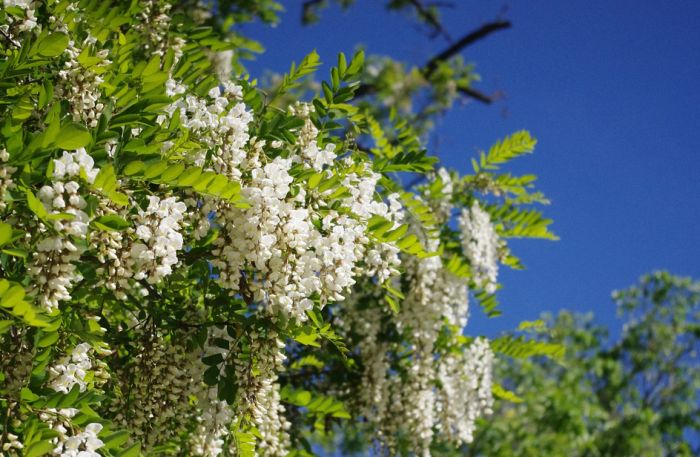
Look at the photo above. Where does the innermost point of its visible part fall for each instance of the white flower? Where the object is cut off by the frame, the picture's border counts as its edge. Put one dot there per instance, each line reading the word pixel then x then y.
pixel 158 227
pixel 480 244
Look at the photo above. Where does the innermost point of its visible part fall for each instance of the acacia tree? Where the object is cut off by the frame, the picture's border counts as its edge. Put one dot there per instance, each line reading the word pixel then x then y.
pixel 636 395
pixel 195 265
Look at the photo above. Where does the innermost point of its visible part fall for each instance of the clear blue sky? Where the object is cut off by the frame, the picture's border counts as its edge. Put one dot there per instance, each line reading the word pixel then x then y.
pixel 611 91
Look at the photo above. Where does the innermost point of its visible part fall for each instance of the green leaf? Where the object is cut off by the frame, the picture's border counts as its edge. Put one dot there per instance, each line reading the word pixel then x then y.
pixel 213 359
pixel 519 347
pixel 12 297
pixel 515 145
pixel 307 338
pixel 35 205
pixel 53 45
pixel 189 177
pixel 315 180
pixel 132 451
pixel 69 400
pixel 115 440
pixel 5 233
pixel 16 252
pixel 46 339
pixel 327 92
pixel 72 136
pixel 302 398
pixel 393 235
pixel 155 170
pixel 407 242
pixel 39 449
pixel 111 223
pixel 226 390
pixel 5 325
pixel 357 62
pixel 134 167
pixel 172 172
pixel 342 64
pixel 393 304
pixel 28 395
pixel 211 376
pixel 504 394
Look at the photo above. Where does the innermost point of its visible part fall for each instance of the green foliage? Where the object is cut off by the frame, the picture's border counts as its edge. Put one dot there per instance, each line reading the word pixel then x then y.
pixel 516 222
pixel 635 394
pixel 519 347
pixel 504 151
pixel 108 85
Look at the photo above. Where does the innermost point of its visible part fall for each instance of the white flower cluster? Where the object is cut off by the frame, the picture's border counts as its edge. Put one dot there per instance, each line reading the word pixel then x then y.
pixel 158 228
pixel 438 391
pixel 216 416
pixel 29 22
pixel 53 265
pixel 465 394
pixel 82 444
pixel 480 243
pixel 71 370
pixel 221 61
pixel 81 86
pixel 441 202
pixel 12 445
pixel 435 396
pixel 382 260
pixel 259 394
pixel 374 399
pixel 154 22
pixel 310 152
pixel 158 386
pixel 166 377
pixel 220 121
pixel 71 441
pixel 212 425
pixel 271 423
pixel 6 182
pixel 147 252
pixel 289 259
pixel 435 297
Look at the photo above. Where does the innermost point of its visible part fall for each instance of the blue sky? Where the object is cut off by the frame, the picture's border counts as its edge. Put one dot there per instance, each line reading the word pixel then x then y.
pixel 611 91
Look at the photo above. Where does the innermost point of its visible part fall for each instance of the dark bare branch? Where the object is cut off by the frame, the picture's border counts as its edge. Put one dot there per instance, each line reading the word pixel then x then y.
pixel 476 95
pixel 429 68
pixel 468 39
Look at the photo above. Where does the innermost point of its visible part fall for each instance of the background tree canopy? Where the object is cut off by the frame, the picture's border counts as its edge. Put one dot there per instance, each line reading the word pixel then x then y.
pixel 636 393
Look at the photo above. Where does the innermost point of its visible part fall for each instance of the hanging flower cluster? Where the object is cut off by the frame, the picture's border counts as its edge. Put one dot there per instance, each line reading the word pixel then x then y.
pixel 440 390
pixel 180 249
pixel 53 268
pixel 481 244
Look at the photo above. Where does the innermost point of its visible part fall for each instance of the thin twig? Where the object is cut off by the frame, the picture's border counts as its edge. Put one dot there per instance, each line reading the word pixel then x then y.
pixel 476 95
pixel 431 19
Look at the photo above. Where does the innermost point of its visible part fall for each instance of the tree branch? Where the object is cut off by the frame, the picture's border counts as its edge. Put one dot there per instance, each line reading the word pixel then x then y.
pixel 468 39
pixel 429 68
pixel 476 95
